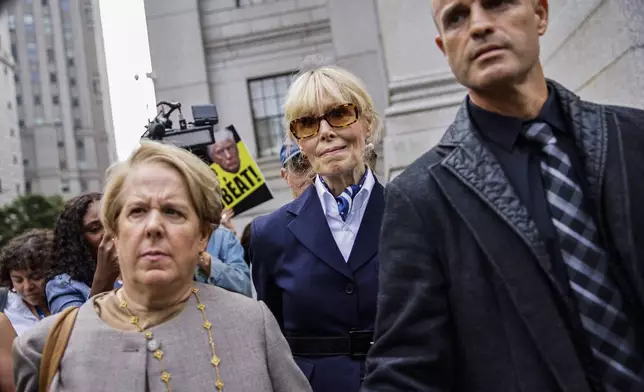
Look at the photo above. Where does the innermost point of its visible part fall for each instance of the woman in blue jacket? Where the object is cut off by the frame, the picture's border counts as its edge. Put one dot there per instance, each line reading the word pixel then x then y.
pixel 315 260
pixel 225 266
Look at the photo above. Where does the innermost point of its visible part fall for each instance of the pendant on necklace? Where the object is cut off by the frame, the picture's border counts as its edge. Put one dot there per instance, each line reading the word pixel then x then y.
pixel 153 345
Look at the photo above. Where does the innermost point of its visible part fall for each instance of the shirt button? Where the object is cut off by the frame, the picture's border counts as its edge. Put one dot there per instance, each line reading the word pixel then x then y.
pixel 349 288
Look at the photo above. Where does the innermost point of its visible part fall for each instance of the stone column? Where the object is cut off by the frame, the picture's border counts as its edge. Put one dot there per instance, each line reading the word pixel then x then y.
pixel 357 46
pixel 596 49
pixel 423 94
pixel 177 53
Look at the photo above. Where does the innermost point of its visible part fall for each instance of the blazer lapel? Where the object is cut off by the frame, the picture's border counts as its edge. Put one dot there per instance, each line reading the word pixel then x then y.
pixel 366 245
pixel 587 122
pixel 477 168
pixel 592 128
pixel 310 227
pixel 532 296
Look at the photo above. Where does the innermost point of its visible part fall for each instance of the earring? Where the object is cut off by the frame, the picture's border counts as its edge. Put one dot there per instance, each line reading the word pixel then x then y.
pixel 201 259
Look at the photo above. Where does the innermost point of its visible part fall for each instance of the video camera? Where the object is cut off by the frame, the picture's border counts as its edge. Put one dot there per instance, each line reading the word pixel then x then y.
pixel 193 136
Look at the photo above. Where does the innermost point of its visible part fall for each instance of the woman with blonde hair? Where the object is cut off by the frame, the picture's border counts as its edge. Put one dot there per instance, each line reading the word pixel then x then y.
pixel 315 260
pixel 161 331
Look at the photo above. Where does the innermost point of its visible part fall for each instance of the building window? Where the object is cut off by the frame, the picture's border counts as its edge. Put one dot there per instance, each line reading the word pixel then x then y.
pixel 47 24
pixel 55 100
pixel 63 166
pixel 1 190
pixel 248 3
pixel 25 162
pixel 18 189
pixel 12 22
pixel 75 102
pixel 89 14
pixel 37 100
pixel 19 100
pixel 83 185
pixel 14 51
pixel 32 51
pixel 35 77
pixel 267 98
pixel 51 57
pixel 77 123
pixel 65 186
pixel 96 85
pixel 28 19
pixel 15 160
pixel 27 186
pixel 72 82
pixel 70 62
pixel 53 78
pixel 80 151
pixel 21 124
pixel 9 105
pixel 12 132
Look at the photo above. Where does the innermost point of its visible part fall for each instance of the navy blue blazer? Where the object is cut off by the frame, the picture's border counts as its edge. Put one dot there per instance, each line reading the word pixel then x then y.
pixel 299 272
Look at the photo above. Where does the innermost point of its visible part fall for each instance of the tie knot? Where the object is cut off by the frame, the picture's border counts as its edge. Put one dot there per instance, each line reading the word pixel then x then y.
pixel 539 132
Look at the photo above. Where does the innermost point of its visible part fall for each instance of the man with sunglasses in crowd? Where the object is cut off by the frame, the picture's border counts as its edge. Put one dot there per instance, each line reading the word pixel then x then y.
pixel 296 170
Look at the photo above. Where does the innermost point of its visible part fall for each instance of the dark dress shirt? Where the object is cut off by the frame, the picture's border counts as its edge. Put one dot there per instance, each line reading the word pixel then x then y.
pixel 520 160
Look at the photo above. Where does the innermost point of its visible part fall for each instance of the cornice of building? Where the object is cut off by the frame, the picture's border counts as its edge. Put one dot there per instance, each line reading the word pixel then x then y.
pixel 423 92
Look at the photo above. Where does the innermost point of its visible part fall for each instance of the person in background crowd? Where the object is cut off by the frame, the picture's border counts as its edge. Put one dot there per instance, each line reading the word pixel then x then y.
pixel 296 170
pixel 315 260
pixel 162 331
pixel 84 259
pixel 24 265
pixel 223 265
pixel 512 253
pixel 245 243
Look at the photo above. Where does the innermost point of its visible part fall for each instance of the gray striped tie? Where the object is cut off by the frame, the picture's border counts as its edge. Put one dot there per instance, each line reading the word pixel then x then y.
pixel 599 301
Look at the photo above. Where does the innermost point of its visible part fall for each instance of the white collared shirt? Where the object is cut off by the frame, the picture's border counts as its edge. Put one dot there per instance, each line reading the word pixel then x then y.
pixel 345 232
pixel 19 313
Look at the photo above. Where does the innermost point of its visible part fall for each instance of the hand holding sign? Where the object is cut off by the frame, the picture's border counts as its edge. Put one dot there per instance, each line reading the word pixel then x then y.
pixel 226 220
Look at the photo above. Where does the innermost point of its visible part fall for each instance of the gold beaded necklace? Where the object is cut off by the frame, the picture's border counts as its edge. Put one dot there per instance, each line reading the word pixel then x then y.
pixel 154 346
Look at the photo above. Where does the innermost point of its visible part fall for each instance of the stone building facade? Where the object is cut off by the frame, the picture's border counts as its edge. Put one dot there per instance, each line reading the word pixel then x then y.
pixel 240 54
pixel 63 107
pixel 12 179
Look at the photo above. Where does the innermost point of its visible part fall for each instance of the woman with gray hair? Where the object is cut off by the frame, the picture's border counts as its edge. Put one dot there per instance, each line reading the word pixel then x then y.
pixel 315 260
pixel 161 331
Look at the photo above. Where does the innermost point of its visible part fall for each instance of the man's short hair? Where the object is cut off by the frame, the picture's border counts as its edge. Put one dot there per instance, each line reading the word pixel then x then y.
pixel 224 134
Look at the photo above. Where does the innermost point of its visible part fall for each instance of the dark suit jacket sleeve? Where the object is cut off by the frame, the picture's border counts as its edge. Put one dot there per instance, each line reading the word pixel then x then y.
pixel 264 254
pixel 412 349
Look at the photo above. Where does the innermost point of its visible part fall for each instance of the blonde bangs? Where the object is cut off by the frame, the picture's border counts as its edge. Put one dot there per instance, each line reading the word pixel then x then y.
pixel 311 92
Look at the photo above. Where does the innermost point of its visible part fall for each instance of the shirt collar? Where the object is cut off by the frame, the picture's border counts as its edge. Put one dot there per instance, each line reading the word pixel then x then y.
pixel 327 199
pixel 504 130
